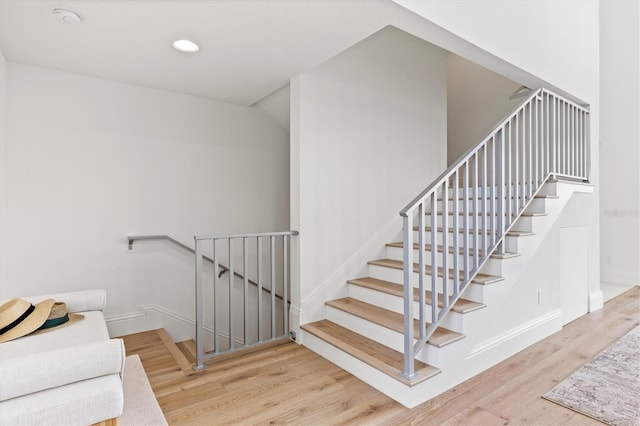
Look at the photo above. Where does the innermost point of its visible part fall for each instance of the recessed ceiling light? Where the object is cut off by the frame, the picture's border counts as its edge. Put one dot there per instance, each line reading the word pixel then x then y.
pixel 186 46
pixel 67 16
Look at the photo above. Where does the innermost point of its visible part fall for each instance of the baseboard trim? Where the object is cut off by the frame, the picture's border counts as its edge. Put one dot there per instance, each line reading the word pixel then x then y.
pixel 596 300
pixel 503 338
pixel 152 316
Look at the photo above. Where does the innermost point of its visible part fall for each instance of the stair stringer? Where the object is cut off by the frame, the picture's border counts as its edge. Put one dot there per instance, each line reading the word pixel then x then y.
pixel 488 338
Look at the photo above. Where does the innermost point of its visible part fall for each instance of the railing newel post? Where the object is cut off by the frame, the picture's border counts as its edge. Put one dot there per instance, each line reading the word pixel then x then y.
pixel 199 314
pixel 408 295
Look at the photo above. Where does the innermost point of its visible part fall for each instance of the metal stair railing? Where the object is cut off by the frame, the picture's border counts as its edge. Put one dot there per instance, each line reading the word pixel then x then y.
pixel 267 262
pixel 269 265
pixel 547 136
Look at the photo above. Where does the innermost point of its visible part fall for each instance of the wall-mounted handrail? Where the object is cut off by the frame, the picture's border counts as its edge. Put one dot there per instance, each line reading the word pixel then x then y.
pixel 223 269
pixel 484 192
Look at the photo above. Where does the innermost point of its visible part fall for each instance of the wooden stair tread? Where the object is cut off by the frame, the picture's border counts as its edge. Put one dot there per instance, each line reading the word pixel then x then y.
pixel 185 365
pixel 488 214
pixel 427 247
pixel 188 348
pixel 462 306
pixel 486 197
pixel 372 353
pixel 398 264
pixel 470 231
pixel 520 233
pixel 391 320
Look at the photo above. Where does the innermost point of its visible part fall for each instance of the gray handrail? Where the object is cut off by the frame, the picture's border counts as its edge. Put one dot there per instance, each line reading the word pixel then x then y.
pixel 223 268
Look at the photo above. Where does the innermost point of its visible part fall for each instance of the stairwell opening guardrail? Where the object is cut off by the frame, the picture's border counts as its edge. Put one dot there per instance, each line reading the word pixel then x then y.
pixel 263 321
pixel 481 196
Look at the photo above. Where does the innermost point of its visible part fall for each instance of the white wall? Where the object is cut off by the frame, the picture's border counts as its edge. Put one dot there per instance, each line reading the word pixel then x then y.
pixel 620 141
pixel 3 97
pixel 477 99
pixel 538 42
pixel 87 162
pixel 277 106
pixel 368 133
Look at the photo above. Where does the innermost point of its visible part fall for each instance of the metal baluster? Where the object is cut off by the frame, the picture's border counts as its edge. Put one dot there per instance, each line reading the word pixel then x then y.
pixel 273 286
pixel 456 241
pixel 579 160
pixel 245 296
pixel 216 275
pixel 583 117
pixel 500 196
pixel 434 250
pixel 483 204
pixel 492 196
pixel 285 295
pixel 545 136
pixel 476 249
pixel 565 130
pixel 553 138
pixel 199 315
pixel 408 293
pixel 529 175
pixel 576 141
pixel 516 194
pixel 536 144
pixel 259 281
pixel 523 176
pixel 588 149
pixel 445 250
pixel 421 263
pixel 231 275
pixel 570 140
pixel 508 157
pixel 465 221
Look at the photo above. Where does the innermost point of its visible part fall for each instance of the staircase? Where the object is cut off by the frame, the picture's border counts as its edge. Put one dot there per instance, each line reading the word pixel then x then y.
pixel 417 323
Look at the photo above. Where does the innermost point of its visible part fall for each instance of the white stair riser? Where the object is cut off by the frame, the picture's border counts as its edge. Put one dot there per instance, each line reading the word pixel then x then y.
pixel 397 253
pixel 512 247
pixel 377 333
pixel 471 221
pixel 537 205
pixel 485 204
pixel 453 321
pixel 395 276
pixel 549 189
pixel 524 224
pixel 450 235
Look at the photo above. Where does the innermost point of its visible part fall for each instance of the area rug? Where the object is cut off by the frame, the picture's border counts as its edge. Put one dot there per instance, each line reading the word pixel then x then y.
pixel 140 404
pixel 608 387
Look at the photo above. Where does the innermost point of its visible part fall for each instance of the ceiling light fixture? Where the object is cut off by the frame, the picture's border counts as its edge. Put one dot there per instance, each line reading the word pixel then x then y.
pixel 186 46
pixel 67 16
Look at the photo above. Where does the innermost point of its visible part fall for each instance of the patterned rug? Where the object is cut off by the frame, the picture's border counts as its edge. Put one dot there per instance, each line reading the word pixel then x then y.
pixel 608 387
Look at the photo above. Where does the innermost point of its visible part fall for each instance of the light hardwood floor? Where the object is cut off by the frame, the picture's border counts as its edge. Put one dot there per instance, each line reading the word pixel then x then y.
pixel 290 384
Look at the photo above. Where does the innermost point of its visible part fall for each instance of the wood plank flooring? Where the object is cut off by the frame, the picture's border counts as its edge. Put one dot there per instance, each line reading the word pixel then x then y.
pixel 290 384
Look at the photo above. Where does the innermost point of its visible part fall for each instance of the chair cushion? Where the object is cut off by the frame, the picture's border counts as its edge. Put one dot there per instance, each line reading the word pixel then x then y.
pixel 80 403
pixel 80 351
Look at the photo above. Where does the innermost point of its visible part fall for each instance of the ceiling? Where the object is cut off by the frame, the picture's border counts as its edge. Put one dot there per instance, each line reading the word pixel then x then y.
pixel 249 48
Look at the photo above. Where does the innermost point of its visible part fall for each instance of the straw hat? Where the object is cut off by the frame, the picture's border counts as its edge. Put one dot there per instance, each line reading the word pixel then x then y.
pixel 58 317
pixel 19 317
